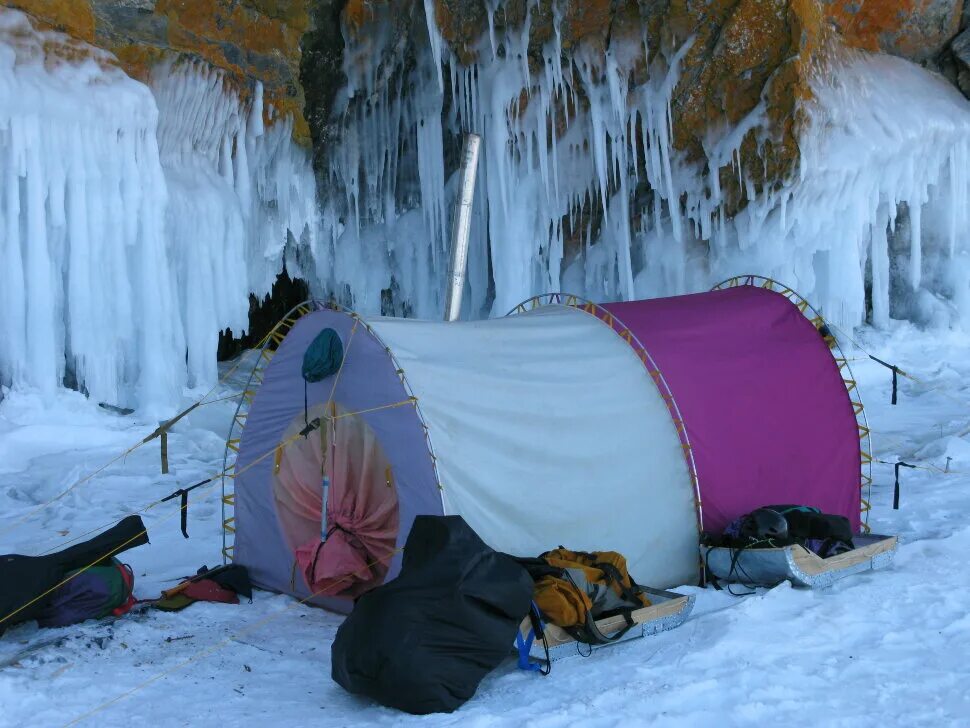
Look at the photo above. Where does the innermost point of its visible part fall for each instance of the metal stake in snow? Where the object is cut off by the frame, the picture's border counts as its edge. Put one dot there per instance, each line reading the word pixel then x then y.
pixel 461 227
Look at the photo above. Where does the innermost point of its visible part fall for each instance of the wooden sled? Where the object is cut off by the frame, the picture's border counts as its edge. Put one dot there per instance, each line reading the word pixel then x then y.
pixel 768 567
pixel 668 611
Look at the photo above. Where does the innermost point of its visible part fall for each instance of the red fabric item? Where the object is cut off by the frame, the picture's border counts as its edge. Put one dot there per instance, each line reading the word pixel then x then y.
pixel 767 413
pixel 206 590
pixel 362 515
pixel 128 576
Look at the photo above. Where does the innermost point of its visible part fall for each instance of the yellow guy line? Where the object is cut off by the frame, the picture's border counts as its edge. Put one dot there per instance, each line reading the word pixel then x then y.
pixel 144 531
pixel 226 472
pixel 402 403
pixel 34 511
pixel 202 654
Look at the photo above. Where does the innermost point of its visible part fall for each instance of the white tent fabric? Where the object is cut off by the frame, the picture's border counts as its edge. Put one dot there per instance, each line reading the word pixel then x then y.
pixel 548 430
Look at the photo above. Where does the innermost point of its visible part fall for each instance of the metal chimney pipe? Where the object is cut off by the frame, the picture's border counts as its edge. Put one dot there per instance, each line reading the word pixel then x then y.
pixel 461 227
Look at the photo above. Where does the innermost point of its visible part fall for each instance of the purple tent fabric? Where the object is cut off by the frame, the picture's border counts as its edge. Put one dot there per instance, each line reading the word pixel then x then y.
pixel 762 399
pixel 368 380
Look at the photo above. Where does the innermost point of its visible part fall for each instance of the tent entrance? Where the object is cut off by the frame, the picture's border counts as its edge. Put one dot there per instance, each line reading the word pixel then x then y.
pixel 346 553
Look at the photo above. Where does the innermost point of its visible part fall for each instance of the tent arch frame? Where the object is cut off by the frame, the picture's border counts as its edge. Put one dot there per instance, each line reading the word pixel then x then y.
pixel 279 332
pixel 624 332
pixel 272 342
pixel 806 309
pixel 845 372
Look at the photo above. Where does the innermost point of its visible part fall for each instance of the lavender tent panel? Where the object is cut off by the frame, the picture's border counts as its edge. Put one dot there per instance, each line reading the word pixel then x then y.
pixel 764 405
pixel 374 382
pixel 260 544
pixel 368 380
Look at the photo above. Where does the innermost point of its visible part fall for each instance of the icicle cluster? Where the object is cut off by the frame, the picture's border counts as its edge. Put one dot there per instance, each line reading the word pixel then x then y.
pixel 133 226
pixel 887 140
pixel 135 220
pixel 238 190
pixel 85 274
pixel 883 197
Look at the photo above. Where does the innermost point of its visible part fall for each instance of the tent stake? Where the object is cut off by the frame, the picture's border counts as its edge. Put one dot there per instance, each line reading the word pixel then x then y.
pixel 896 372
pixel 163 441
pixel 898 465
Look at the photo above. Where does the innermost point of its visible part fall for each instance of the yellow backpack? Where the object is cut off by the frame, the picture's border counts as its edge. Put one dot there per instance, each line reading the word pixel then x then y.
pixel 573 589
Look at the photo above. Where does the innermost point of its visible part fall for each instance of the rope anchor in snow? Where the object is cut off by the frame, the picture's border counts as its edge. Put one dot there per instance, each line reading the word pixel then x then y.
pixel 897 466
pixel 184 493
pixel 896 372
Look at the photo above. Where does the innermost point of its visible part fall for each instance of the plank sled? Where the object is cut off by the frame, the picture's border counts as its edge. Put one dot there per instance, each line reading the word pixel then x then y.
pixel 768 567
pixel 667 611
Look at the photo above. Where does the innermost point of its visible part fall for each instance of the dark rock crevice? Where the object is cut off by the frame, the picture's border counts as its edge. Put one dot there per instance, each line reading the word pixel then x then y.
pixel 264 314
pixel 322 76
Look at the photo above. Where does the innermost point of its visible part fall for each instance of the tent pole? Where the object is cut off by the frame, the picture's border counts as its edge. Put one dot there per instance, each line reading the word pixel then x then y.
pixel 461 227
pixel 329 470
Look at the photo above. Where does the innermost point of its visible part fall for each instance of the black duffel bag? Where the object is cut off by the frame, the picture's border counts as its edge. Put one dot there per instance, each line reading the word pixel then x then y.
pixel 29 582
pixel 423 642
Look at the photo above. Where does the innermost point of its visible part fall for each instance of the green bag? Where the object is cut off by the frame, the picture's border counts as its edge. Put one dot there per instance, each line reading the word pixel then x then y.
pixel 323 357
pixel 92 593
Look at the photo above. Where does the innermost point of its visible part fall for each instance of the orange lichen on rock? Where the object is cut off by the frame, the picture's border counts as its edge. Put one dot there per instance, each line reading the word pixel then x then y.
pixel 732 66
pixel 215 26
pixel 248 45
pixel 914 29
pixel 358 13
pixel 74 17
pixel 586 20
pixel 35 41
pixel 138 60
pixel 256 40
pixel 462 25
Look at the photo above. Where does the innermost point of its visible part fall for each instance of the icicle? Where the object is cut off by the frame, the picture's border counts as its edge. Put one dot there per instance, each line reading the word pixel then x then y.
pixel 228 221
pixel 13 298
pixel 490 8
pixel 915 243
pixel 880 270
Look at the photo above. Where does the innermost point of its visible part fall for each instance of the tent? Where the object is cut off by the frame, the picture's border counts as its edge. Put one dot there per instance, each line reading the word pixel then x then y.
pixel 625 426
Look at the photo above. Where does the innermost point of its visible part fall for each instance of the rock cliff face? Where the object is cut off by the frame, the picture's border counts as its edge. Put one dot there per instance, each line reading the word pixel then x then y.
pixel 742 52
pixel 251 40
pixel 622 136
pixel 632 148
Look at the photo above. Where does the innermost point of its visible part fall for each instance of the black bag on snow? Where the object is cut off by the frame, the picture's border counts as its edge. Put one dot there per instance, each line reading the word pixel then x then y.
pixel 24 578
pixel 423 642
pixel 824 533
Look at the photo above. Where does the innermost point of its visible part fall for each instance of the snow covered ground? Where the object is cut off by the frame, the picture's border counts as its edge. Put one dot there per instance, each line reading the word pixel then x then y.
pixel 881 648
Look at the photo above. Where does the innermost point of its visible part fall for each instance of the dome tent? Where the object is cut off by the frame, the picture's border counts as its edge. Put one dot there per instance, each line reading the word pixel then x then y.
pixel 629 426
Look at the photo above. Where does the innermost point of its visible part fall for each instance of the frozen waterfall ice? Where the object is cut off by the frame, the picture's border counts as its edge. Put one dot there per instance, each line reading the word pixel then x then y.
pixel 86 275
pixel 239 190
pixel 136 219
pixel 873 224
